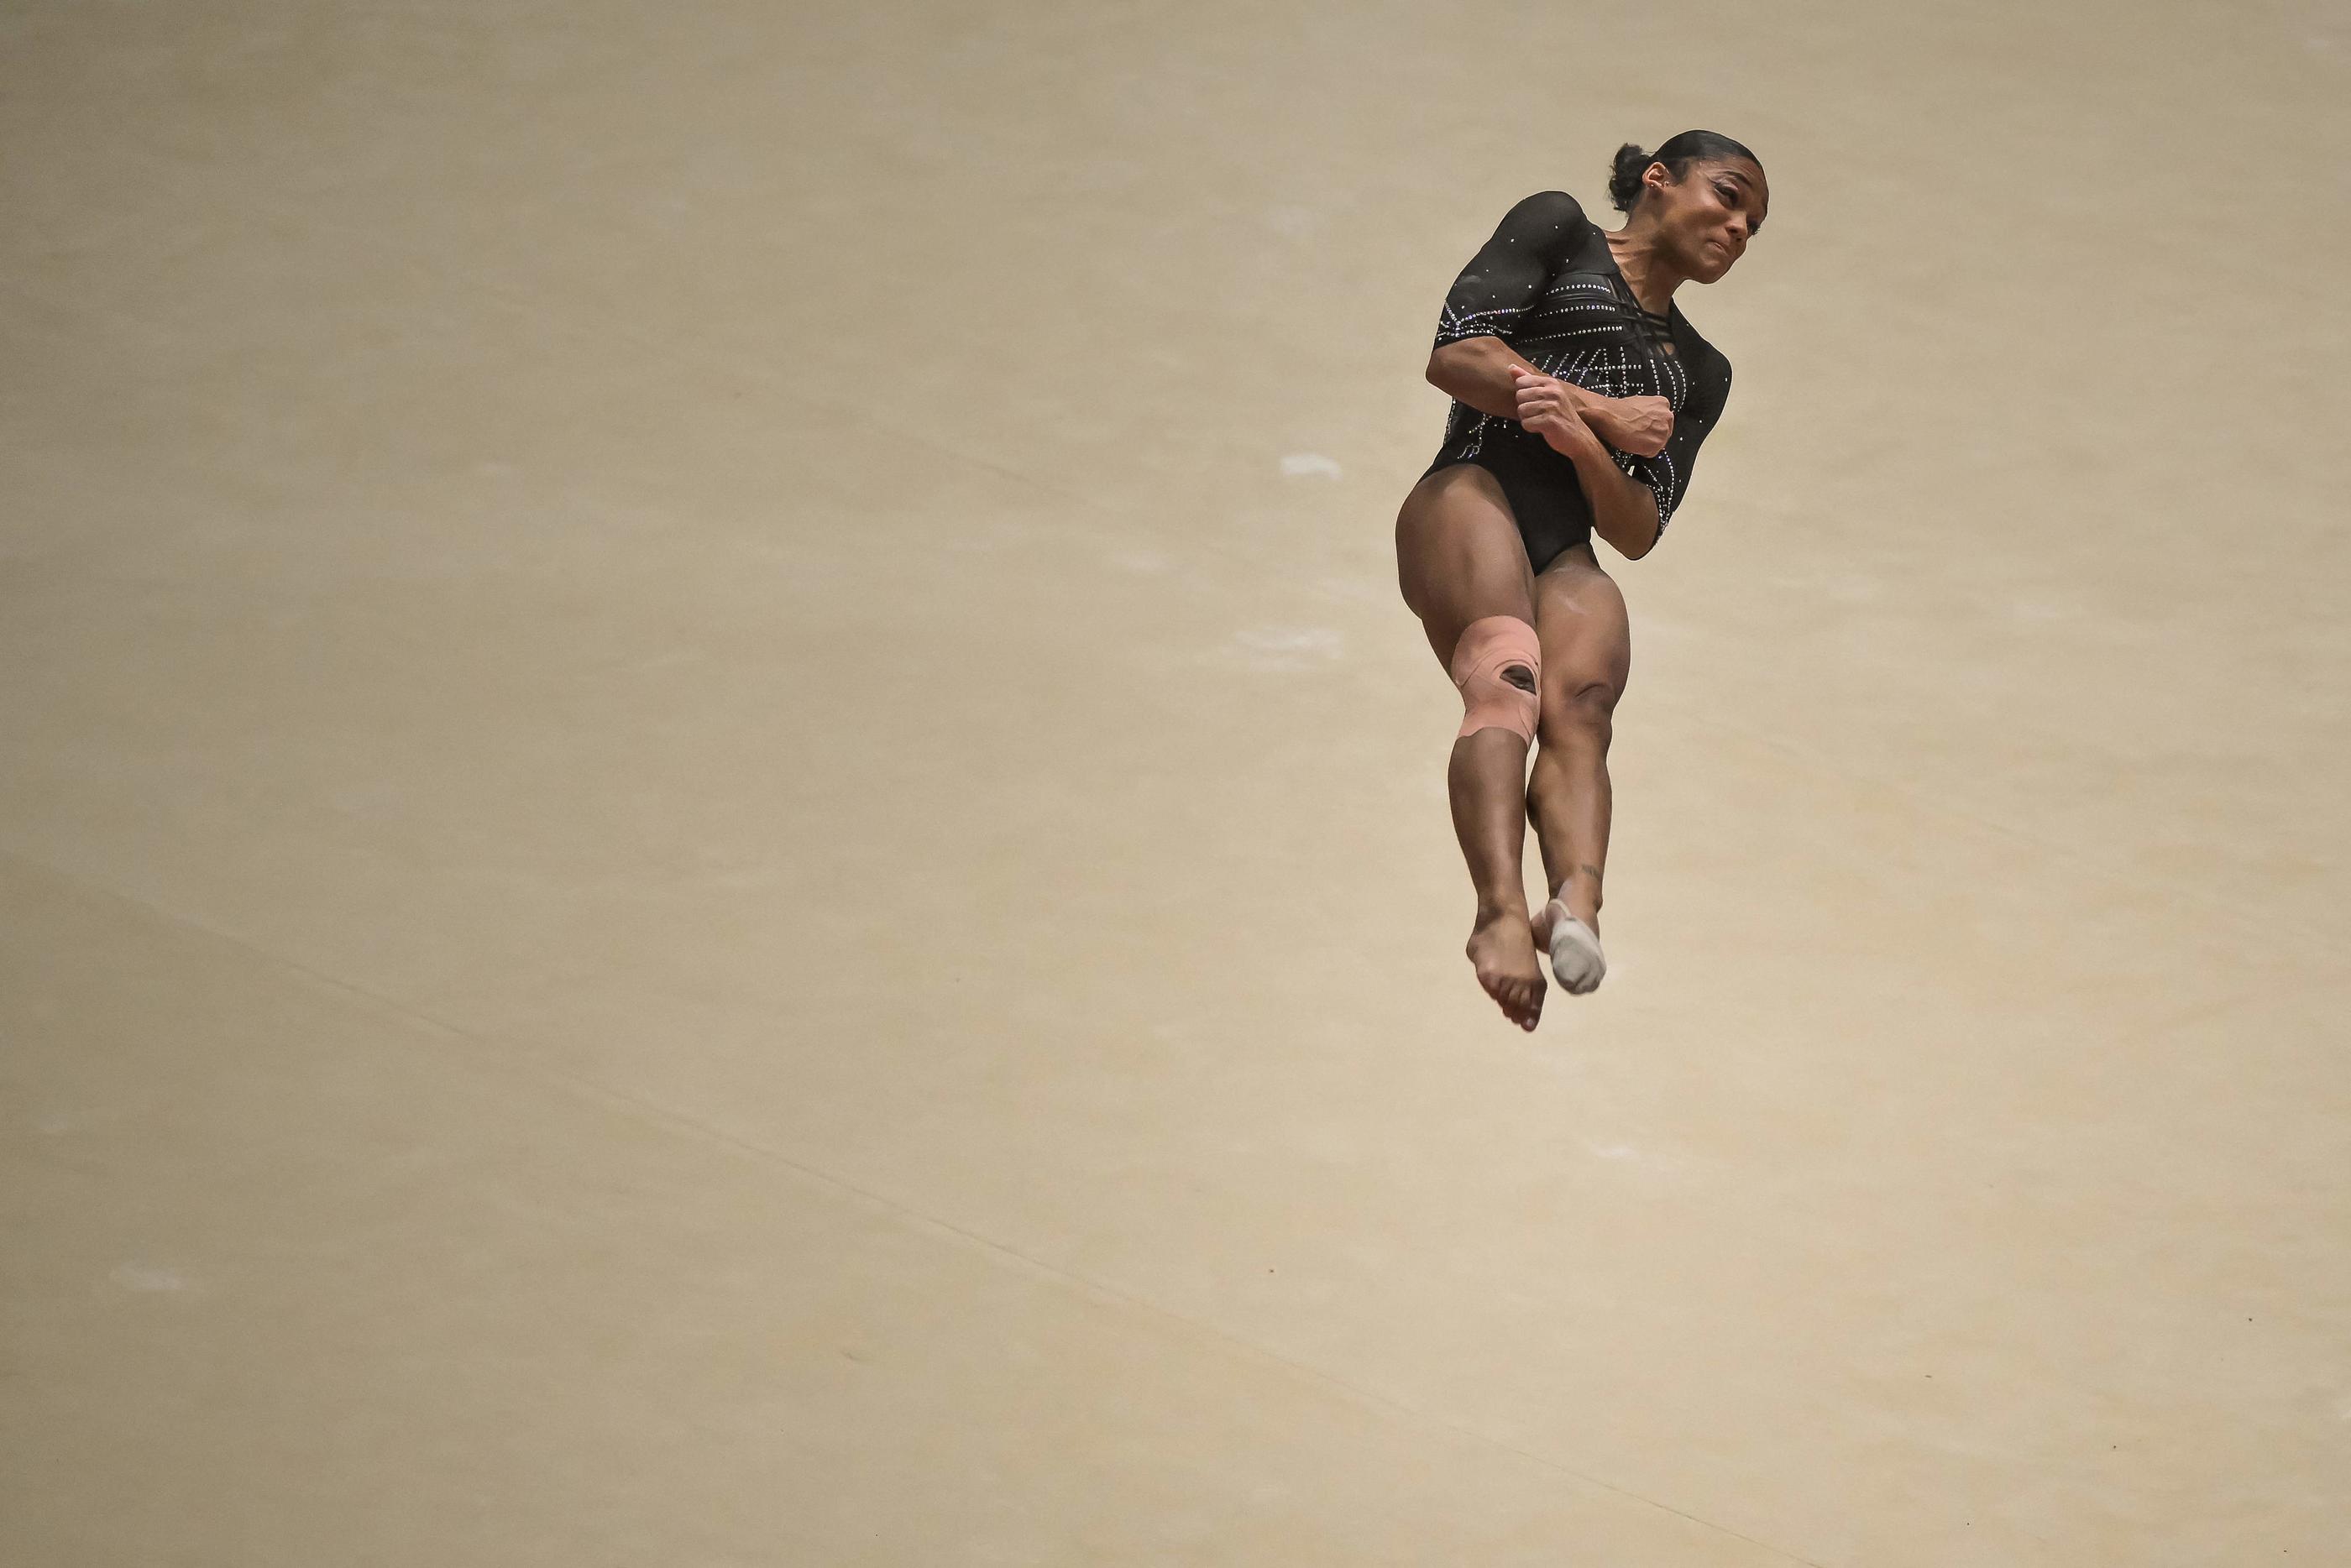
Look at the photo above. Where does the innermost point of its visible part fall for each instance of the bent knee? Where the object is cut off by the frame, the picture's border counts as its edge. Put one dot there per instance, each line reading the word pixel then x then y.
pixel 1580 709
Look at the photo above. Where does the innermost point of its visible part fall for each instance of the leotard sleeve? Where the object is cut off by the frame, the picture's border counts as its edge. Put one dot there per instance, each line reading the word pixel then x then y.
pixel 1508 274
pixel 1668 475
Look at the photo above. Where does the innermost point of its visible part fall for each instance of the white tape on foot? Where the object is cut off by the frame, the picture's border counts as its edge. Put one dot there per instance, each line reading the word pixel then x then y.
pixel 1576 961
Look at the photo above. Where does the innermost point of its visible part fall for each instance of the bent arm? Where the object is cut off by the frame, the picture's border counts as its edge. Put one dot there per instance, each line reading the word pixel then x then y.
pixel 1473 361
pixel 1482 372
pixel 1623 510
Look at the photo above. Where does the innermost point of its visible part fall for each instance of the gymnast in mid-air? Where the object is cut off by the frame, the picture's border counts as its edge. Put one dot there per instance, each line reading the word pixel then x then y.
pixel 1581 394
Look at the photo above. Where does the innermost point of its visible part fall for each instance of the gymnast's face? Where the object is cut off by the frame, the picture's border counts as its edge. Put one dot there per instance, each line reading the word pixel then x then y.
pixel 1707 217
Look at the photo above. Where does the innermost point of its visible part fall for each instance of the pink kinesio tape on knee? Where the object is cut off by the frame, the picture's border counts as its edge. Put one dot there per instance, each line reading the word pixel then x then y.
pixel 1489 647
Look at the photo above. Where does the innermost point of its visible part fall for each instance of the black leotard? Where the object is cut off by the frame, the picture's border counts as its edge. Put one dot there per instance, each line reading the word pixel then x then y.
pixel 1548 286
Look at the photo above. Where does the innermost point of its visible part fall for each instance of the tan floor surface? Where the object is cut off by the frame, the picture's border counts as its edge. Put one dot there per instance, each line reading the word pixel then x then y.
pixel 719 844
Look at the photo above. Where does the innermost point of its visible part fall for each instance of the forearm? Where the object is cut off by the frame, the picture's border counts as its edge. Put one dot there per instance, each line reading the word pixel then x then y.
pixel 1480 373
pixel 1623 510
pixel 1483 373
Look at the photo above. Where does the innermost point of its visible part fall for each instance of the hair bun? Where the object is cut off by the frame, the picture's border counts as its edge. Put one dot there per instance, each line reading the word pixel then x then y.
pixel 1624 177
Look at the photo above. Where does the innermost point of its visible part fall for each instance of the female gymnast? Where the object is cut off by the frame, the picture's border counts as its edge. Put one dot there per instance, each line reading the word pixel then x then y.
pixel 1580 396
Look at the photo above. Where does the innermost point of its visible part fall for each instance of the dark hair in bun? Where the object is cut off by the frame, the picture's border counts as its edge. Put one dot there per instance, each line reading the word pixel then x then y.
pixel 1677 155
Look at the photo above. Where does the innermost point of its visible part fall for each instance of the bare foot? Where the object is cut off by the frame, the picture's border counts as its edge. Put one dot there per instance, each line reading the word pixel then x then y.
pixel 1502 949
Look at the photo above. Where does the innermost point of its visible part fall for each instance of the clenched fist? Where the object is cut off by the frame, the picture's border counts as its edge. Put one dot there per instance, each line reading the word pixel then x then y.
pixel 1639 426
pixel 1550 408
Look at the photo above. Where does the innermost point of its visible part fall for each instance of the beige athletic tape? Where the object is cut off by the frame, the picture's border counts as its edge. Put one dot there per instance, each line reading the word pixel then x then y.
pixel 1486 649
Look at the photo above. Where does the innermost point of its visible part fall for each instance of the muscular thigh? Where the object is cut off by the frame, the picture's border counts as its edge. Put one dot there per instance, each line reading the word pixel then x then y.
pixel 1458 555
pixel 1587 639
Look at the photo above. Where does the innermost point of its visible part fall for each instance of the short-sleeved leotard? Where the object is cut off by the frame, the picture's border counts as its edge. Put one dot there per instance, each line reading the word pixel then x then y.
pixel 1548 286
